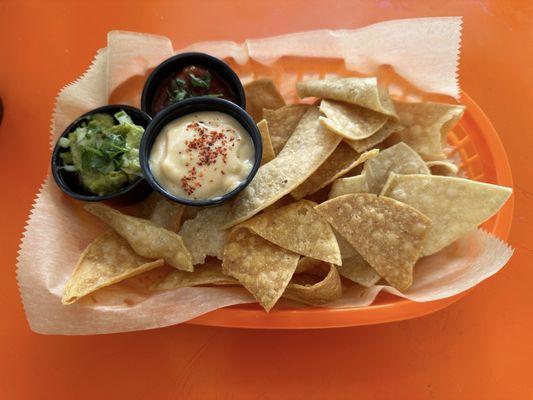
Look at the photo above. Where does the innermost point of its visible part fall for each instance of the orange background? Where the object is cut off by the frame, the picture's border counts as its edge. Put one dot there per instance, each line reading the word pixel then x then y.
pixel 480 347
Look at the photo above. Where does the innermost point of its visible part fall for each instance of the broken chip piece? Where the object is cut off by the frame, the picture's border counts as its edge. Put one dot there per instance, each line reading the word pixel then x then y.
pixel 341 161
pixel 268 150
pixel 323 286
pixel 282 123
pixel 349 120
pixel 364 92
pixel 209 273
pixel 203 235
pixel 145 237
pixel 426 126
pixel 308 147
pixel 298 228
pixel 262 267
pixel 262 93
pixel 399 158
pixel 456 206
pixel 109 259
pixel 388 234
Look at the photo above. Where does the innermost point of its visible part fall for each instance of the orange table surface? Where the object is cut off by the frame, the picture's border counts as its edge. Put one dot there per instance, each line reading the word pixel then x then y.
pixel 480 347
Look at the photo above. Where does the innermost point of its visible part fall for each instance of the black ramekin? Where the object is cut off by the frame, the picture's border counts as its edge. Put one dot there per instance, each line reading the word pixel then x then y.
pixel 69 182
pixel 177 63
pixel 189 106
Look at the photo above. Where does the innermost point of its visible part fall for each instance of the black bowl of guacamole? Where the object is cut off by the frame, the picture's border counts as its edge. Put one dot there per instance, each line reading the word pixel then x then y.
pixel 97 156
pixel 190 75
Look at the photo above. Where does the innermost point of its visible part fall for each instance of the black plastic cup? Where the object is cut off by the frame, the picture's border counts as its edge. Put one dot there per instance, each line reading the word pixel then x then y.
pixel 176 63
pixel 189 106
pixel 69 182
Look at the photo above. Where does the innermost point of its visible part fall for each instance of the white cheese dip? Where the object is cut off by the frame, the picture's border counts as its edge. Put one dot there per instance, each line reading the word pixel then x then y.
pixel 202 155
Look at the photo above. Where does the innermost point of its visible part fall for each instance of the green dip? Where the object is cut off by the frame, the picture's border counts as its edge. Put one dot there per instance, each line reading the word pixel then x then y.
pixel 104 152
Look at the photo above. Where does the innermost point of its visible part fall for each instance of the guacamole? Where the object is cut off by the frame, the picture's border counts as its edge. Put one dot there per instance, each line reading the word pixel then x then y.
pixel 104 152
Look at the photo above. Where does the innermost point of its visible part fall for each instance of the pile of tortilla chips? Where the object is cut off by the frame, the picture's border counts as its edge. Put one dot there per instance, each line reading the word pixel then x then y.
pixel 353 190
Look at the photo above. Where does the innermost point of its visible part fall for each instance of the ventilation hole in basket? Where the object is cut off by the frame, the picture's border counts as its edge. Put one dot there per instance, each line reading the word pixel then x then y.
pixel 309 76
pixel 287 87
pixel 330 75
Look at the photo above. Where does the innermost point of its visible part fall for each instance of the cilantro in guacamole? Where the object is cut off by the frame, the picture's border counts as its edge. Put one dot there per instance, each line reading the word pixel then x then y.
pixel 104 151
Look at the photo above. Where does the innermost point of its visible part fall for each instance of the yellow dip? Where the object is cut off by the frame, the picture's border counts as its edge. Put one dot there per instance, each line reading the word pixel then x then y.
pixel 202 155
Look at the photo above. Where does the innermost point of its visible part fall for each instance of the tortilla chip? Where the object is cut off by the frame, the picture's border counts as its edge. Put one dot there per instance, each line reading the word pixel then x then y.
pixel 209 273
pixel 399 158
pixel 350 121
pixel 443 167
pixel 162 211
pixel 282 123
pixel 328 287
pixel 353 266
pixel 456 206
pixel 388 234
pixel 284 201
pixel 426 126
pixel 359 271
pixel 107 260
pixel 146 238
pixel 341 161
pixel 203 235
pixel 352 184
pixel 298 228
pixel 144 282
pixel 363 92
pixel 308 147
pixel 347 250
pixel 190 212
pixel 268 150
pixel 364 144
pixel 262 93
pixel 259 265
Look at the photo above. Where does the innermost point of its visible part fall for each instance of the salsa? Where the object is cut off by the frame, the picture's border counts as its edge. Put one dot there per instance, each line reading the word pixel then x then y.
pixel 191 81
pixel 104 152
pixel 202 155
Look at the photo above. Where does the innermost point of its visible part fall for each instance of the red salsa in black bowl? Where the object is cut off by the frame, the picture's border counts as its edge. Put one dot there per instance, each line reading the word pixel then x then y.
pixel 189 75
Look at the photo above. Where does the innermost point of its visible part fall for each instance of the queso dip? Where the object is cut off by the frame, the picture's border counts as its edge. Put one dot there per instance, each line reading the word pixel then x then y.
pixel 202 155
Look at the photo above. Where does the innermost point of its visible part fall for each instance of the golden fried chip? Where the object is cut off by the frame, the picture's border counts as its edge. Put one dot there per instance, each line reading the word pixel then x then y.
pixel 298 228
pixel 364 92
pixel 146 238
pixel 107 260
pixel 162 211
pixel 144 282
pixel 353 266
pixel 364 144
pixel 189 212
pixel 456 206
pixel 351 184
pixel 356 269
pixel 268 150
pixel 347 250
pixel 262 267
pixel 341 161
pixel 262 93
pixel 443 167
pixel 426 126
pixel 350 121
pixel 328 287
pixel 282 123
pixel 284 201
pixel 399 158
pixel 388 234
pixel 308 147
pixel 203 235
pixel 209 273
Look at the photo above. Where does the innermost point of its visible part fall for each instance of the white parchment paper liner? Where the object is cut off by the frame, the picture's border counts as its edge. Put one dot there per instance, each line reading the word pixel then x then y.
pixel 58 229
